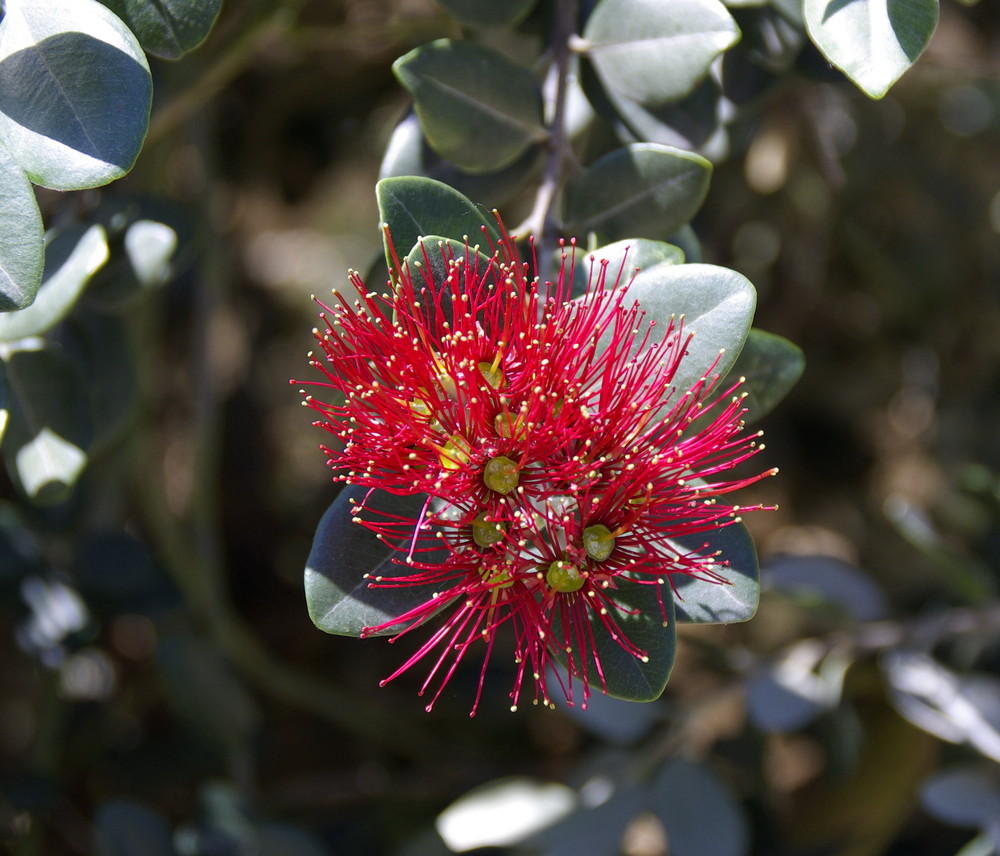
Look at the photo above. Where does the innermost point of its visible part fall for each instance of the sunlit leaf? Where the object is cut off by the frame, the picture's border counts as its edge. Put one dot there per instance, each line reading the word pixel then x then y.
pixel 656 51
pixel 872 41
pixel 477 108
pixel 75 92
pixel 716 305
pixel 21 250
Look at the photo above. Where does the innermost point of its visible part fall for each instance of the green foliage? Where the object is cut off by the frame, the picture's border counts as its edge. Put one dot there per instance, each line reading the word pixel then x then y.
pixel 477 108
pixel 21 251
pixel 872 41
pixel 75 91
pixel 644 190
pixel 168 28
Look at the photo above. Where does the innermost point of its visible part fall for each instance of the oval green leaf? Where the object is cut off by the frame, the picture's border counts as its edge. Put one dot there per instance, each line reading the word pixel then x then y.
pixel 21 250
pixel 75 92
pixel 656 51
pixel 643 190
pixel 168 28
pixel 477 108
pixel 772 366
pixel 701 602
pixel 637 254
pixel 71 260
pixel 872 41
pixel 414 207
pixel 338 596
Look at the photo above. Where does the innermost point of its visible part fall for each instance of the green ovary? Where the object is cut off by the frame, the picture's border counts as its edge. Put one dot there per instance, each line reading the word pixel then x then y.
pixel 501 474
pixel 598 542
pixel 564 577
pixel 486 532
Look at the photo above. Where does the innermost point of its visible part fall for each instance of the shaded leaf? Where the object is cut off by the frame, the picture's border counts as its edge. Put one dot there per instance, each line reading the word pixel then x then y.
pixel 872 41
pixel 206 692
pixel 643 190
pixel 596 830
pixel 75 92
pixel 635 609
pixel 21 251
pixel 656 51
pixel 794 689
pixel 699 812
pixel 71 259
pixel 703 602
pixel 772 366
pixel 338 595
pixel 413 207
pixel 488 13
pixel 168 28
pixel 826 581
pixel 477 108
pixel 966 796
pixel 50 431
pixel 127 828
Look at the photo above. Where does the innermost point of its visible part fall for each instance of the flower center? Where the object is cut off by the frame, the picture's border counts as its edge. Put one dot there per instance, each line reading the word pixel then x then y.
pixel 487 532
pixel 598 542
pixel 501 474
pixel 491 373
pixel 498 577
pixel 564 577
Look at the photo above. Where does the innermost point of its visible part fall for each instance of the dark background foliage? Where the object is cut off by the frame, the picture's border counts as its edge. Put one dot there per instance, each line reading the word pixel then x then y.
pixel 162 689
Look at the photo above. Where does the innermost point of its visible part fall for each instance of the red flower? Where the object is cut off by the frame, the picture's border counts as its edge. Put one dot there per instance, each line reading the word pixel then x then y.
pixel 558 460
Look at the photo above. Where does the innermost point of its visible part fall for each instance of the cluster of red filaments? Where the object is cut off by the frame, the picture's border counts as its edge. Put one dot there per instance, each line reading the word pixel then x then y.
pixel 557 458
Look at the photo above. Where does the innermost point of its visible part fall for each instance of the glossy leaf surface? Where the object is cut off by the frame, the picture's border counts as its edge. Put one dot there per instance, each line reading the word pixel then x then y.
pixel 21 250
pixel 872 41
pixel 168 28
pixel 477 108
pixel 643 190
pixel 656 51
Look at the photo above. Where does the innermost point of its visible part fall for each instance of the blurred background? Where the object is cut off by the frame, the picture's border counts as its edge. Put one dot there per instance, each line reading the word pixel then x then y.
pixel 162 689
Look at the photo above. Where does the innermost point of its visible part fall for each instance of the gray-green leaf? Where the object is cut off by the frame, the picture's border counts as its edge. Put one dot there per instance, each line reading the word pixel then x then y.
pixel 75 92
pixel 477 108
pixel 872 41
pixel 168 28
pixel 21 253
